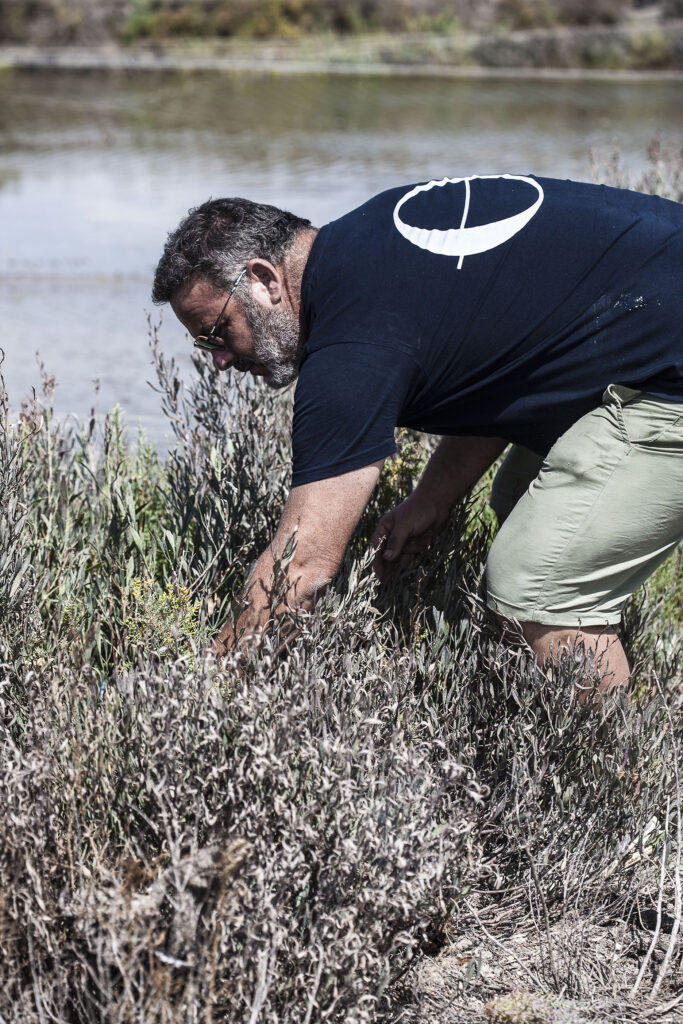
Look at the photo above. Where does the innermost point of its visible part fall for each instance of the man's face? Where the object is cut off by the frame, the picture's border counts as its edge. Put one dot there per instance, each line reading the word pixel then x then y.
pixel 263 339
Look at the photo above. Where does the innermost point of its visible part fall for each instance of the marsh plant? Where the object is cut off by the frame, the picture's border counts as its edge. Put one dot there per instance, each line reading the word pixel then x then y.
pixel 68 21
pixel 391 814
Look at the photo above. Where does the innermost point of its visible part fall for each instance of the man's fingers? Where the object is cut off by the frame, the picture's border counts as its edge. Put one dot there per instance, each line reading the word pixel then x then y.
pixel 385 537
pixel 401 534
pixel 218 648
pixel 416 544
pixel 396 537
pixel 389 539
pixel 387 570
pixel 383 529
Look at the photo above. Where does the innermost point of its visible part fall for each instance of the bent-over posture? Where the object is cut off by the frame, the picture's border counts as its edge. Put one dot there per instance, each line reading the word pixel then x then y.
pixel 492 311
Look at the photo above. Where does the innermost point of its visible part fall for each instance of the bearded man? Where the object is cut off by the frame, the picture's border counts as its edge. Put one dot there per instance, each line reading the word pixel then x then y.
pixel 492 311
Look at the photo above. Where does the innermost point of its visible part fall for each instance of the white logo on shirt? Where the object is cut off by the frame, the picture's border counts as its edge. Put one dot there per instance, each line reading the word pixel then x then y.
pixel 464 241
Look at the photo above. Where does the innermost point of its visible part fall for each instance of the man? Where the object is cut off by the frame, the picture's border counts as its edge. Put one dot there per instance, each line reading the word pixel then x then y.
pixel 489 310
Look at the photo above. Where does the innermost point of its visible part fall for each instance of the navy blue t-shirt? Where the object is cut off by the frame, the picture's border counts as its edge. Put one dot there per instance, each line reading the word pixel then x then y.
pixel 500 305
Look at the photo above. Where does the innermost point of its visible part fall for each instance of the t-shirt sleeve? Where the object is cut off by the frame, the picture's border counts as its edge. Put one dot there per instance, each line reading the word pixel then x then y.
pixel 347 403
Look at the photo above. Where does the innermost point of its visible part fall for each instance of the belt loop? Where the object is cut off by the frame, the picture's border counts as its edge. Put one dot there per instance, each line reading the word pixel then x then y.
pixel 611 396
pixel 619 396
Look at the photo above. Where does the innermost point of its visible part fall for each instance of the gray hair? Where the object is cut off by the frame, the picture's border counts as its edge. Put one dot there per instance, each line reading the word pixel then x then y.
pixel 216 240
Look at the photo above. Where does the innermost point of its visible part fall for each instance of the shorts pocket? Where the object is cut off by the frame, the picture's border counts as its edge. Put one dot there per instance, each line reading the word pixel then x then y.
pixel 654 424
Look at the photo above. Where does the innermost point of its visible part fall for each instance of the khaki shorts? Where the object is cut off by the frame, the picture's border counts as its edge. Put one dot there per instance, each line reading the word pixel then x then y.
pixel 584 527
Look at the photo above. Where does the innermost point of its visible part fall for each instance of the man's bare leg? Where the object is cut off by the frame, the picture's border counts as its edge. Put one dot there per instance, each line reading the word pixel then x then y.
pixel 600 644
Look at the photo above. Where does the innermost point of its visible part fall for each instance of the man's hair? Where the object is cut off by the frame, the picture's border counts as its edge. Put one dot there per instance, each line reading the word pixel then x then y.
pixel 216 239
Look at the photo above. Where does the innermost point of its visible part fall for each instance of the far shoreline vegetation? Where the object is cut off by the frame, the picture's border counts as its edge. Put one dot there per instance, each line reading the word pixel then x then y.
pixel 575 35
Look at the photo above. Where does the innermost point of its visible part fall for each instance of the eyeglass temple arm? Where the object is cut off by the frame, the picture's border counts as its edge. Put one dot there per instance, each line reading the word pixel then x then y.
pixel 225 304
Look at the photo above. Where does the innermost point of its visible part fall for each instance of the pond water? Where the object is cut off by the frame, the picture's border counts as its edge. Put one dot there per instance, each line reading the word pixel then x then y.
pixel 96 168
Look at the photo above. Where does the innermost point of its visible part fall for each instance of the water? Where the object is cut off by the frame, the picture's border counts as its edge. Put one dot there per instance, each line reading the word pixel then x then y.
pixel 95 169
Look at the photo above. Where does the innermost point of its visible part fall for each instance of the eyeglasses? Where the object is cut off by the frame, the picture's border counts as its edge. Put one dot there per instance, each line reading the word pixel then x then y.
pixel 209 342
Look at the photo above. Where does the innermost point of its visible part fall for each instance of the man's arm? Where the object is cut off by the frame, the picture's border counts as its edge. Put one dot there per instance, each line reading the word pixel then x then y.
pixel 324 514
pixel 453 469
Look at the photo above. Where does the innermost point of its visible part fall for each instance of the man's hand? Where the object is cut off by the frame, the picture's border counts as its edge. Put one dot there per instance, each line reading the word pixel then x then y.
pixel 225 641
pixel 322 515
pixel 404 531
pixel 453 469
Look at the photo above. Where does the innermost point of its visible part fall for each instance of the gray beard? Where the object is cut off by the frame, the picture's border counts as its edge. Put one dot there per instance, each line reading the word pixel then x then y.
pixel 276 336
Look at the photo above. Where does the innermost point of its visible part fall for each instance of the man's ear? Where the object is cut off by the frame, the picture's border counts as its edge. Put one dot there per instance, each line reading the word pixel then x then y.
pixel 266 282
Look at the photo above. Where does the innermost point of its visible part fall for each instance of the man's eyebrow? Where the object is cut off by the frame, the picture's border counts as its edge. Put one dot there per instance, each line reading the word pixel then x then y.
pixel 205 326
